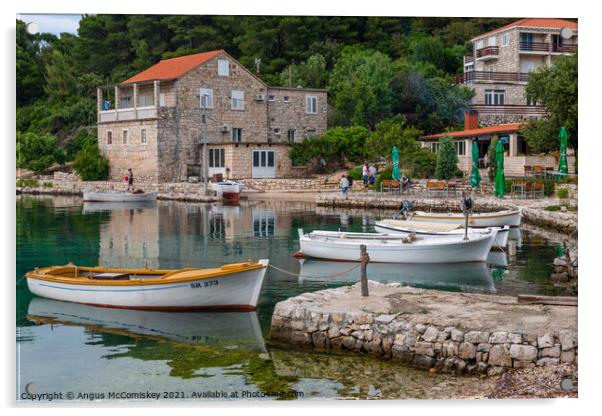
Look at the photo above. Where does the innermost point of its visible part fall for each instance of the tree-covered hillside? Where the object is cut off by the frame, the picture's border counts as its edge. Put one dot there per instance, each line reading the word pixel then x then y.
pixel 374 67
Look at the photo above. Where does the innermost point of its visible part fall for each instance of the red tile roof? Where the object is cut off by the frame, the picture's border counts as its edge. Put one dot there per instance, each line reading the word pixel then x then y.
pixel 534 22
pixel 173 68
pixel 501 128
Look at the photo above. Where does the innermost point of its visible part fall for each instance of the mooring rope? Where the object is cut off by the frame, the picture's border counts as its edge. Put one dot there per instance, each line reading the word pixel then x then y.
pixel 316 277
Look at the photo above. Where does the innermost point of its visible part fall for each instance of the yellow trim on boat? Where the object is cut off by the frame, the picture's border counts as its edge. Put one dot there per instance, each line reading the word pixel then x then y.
pixel 469 217
pixel 50 273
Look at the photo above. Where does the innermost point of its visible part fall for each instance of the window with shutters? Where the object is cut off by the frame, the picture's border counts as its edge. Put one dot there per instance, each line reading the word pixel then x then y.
pixel 223 68
pixel 238 100
pixel 311 104
pixel 206 98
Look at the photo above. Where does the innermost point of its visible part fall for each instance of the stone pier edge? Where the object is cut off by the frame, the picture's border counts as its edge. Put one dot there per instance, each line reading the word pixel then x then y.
pixel 423 346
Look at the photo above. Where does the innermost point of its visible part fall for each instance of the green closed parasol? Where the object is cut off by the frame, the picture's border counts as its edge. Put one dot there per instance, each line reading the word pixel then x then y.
pixel 563 165
pixel 396 174
pixel 500 180
pixel 475 176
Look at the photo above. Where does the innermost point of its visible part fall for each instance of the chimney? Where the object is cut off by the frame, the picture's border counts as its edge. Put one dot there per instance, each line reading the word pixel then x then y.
pixel 471 120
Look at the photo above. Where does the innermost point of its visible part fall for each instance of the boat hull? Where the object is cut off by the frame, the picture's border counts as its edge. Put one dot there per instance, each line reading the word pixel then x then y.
pixel 501 239
pixel 448 249
pixel 485 219
pixel 237 291
pixel 94 196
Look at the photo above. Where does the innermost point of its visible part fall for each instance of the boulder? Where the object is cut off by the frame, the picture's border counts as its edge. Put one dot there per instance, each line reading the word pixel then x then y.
pixel 523 352
pixel 545 341
pixel 467 351
pixel 553 352
pixel 476 337
pixel 456 335
pixel 498 338
pixel 430 334
pixel 500 356
pixel 568 340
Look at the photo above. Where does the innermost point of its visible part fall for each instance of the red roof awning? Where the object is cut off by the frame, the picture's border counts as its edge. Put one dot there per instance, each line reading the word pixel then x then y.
pixel 491 130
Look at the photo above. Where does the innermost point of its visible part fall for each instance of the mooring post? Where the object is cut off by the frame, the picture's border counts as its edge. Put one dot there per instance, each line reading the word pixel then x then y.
pixel 364 260
pixel 465 225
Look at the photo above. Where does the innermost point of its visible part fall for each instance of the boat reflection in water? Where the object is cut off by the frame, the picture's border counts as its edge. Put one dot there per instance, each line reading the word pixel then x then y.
pixel 468 277
pixel 236 331
pixel 90 207
pixel 497 259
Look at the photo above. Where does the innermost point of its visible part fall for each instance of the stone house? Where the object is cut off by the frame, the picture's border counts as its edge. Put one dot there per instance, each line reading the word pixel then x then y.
pixel 157 119
pixel 500 63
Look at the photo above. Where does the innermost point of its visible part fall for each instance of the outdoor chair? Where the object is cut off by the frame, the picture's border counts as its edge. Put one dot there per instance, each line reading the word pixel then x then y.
pixel 394 185
pixel 538 171
pixel 435 188
pixel 385 185
pixel 537 190
pixel 518 189
pixel 528 170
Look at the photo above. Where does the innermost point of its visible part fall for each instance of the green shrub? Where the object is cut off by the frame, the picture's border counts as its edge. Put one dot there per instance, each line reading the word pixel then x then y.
pixel 491 170
pixel 356 173
pixel 562 193
pixel 37 151
pixel 553 208
pixel 47 184
pixel 549 185
pixel 28 183
pixel 90 165
pixel 421 162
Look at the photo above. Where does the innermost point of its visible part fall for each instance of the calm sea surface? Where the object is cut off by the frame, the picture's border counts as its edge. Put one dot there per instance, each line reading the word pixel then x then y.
pixel 88 353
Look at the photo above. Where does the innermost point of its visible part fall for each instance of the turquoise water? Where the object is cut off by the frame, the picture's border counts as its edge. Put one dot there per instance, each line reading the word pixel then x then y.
pixel 108 354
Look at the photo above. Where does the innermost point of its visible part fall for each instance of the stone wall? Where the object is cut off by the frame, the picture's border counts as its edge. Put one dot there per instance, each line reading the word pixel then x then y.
pixel 289 184
pixel 426 339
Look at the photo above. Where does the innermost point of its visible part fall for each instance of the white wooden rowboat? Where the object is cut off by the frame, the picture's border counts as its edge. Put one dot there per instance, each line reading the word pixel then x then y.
pixel 406 227
pixel 240 331
pixel 397 249
pixel 483 219
pixel 117 196
pixel 231 286
pixel 226 186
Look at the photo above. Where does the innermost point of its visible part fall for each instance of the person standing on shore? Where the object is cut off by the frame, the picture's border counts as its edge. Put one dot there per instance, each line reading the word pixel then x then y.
pixel 344 185
pixel 372 171
pixel 130 177
pixel 365 175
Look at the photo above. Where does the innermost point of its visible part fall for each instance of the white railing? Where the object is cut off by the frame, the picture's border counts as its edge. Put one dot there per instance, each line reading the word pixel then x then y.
pixel 131 113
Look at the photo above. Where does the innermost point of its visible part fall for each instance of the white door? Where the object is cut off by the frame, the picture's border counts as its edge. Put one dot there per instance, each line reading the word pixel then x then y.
pixel 264 164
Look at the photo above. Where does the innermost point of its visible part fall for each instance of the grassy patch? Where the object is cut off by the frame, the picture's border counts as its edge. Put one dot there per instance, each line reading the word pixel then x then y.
pixel 28 183
pixel 47 184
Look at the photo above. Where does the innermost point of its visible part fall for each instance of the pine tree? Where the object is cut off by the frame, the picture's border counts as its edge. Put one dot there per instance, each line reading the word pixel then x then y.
pixel 447 160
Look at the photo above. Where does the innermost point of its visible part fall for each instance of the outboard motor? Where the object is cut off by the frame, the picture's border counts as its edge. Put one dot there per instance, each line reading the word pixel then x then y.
pixel 406 208
pixel 466 204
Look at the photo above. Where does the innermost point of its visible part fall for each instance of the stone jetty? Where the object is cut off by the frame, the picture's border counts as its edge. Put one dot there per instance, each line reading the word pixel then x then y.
pixel 429 329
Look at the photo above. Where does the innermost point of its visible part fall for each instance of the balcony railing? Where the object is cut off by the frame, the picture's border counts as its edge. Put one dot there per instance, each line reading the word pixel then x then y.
pixel 131 113
pixel 566 48
pixel 477 76
pixel 489 51
pixel 509 109
pixel 534 46
pixel 468 59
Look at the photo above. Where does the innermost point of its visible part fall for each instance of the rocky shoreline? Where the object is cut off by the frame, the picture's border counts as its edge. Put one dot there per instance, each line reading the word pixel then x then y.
pixel 428 329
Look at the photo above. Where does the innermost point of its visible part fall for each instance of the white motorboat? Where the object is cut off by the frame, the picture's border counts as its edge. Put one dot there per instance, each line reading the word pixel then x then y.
pixel 483 219
pixel 231 286
pixel 240 331
pixel 114 195
pixel 465 277
pixel 406 227
pixel 227 189
pixel 388 248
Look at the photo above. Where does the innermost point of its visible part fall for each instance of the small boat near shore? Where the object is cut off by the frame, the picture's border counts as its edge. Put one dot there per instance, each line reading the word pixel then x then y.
pixel 228 190
pixel 407 227
pixel 114 195
pixel 229 287
pixel 387 248
pixel 511 217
